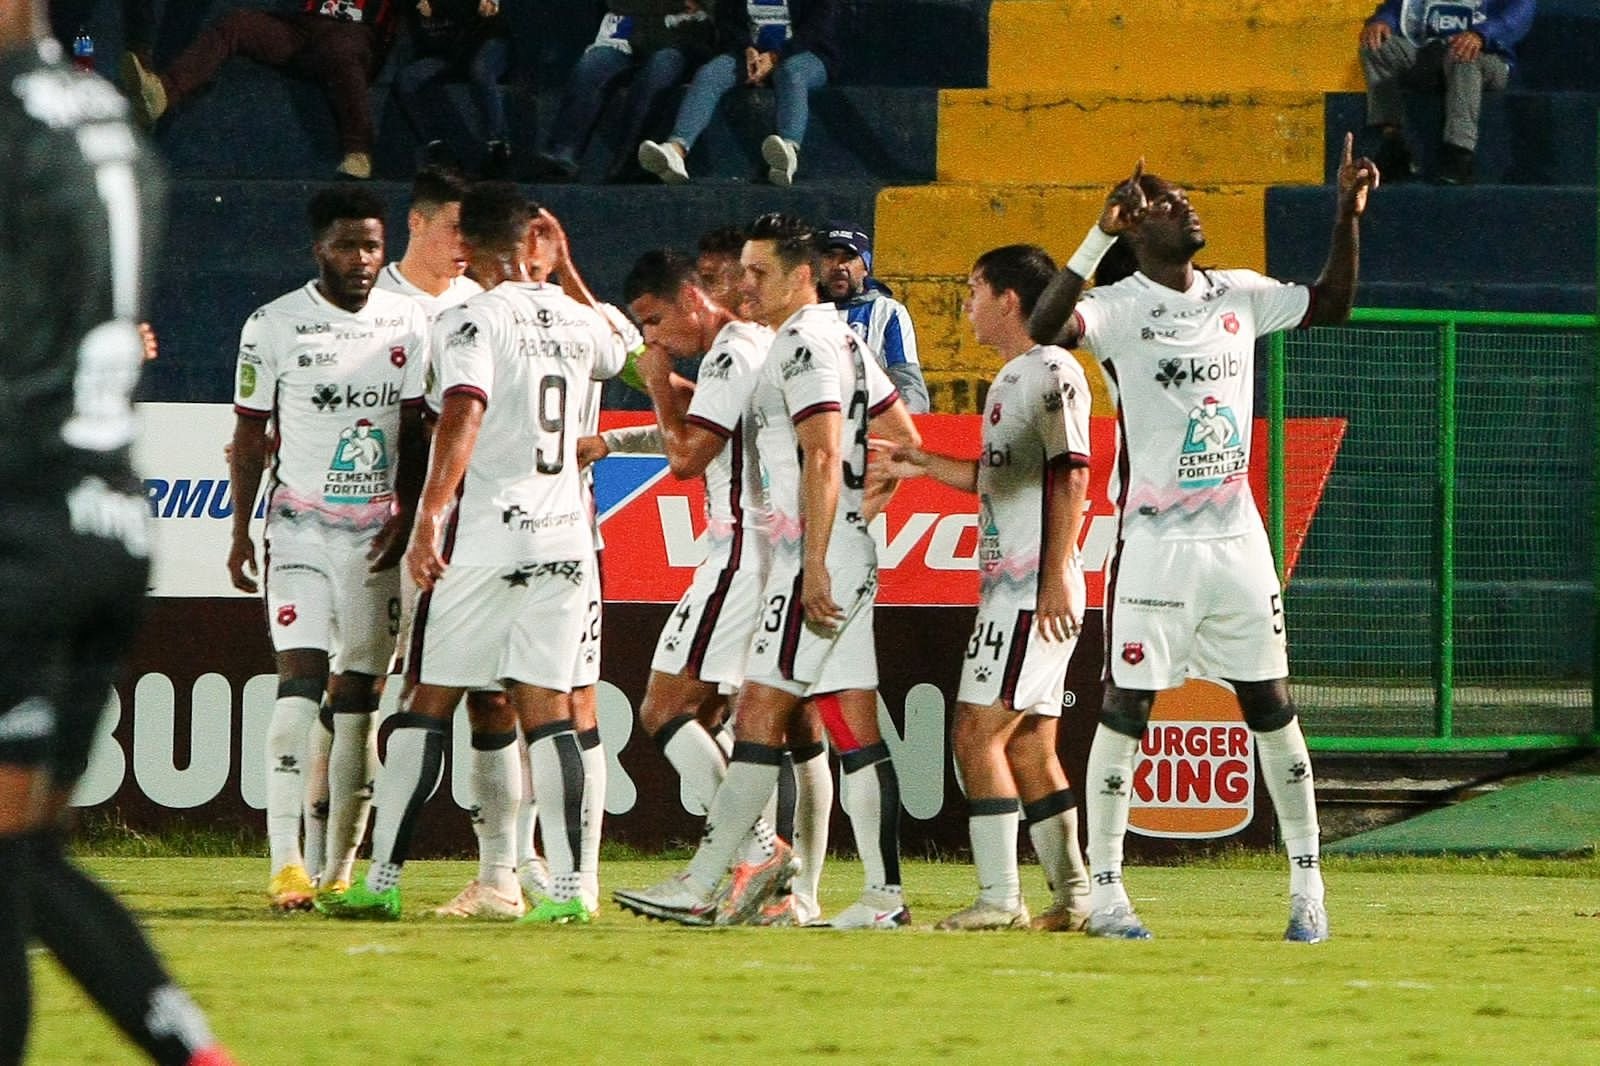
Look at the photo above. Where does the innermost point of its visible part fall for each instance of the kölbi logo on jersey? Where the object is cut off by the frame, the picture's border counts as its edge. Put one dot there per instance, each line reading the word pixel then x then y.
pixel 1197 768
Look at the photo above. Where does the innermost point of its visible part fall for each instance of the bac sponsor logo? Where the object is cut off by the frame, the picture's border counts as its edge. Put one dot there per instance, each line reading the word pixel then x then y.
pixel 1197 768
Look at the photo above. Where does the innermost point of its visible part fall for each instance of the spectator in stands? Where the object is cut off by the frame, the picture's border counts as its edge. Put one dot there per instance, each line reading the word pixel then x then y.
pixel 790 43
pixel 871 309
pixel 339 43
pixel 656 41
pixel 1466 47
pixel 457 40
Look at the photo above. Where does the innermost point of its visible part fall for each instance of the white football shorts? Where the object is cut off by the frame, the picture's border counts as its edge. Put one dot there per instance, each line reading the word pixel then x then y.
pixel 789 655
pixel 707 636
pixel 1008 661
pixel 483 625
pixel 321 593
pixel 1194 608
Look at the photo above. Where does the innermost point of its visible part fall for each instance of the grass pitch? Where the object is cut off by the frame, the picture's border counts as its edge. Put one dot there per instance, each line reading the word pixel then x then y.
pixel 1432 961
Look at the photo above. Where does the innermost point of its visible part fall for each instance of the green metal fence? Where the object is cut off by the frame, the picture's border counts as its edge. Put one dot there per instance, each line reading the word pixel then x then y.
pixel 1444 596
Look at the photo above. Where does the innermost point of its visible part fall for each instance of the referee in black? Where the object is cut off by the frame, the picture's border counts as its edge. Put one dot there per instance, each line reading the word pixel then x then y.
pixel 79 201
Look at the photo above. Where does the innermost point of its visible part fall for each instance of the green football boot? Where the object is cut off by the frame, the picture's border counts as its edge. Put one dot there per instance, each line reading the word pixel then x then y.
pixel 558 912
pixel 360 903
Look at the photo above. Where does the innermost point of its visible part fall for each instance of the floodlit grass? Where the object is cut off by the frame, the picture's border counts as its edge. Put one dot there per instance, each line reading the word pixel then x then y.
pixel 1432 961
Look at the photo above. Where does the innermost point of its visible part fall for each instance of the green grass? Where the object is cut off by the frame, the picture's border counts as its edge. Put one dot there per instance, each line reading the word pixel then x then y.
pixel 1432 961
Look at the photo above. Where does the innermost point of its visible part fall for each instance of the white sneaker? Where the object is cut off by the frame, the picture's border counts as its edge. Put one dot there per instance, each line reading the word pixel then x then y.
pixel 876 909
pixel 479 900
pixel 782 158
pixel 677 899
pixel 986 915
pixel 665 161
pixel 534 876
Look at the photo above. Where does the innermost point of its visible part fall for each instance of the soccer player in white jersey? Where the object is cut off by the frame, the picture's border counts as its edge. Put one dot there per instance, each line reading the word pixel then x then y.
pixel 704 429
pixel 337 368
pixel 1030 479
pixel 1192 588
pixel 503 548
pixel 817 394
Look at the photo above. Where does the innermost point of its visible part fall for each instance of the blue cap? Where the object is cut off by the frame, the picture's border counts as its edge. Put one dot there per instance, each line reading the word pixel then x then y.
pixel 840 234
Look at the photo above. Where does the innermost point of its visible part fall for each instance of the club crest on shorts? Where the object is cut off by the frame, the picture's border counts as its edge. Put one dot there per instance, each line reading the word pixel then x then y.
pixel 1133 652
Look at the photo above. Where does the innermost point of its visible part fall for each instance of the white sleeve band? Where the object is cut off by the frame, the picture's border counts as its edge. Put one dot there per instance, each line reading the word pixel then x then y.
pixel 1089 253
pixel 634 440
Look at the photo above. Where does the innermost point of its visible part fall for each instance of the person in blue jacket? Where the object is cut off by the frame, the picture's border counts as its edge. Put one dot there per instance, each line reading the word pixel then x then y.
pixel 1462 46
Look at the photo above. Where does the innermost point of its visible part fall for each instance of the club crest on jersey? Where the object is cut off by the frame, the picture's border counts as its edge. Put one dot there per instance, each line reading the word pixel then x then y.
pixel 1230 322
pixel 397 356
pixel 1133 653
pixel 994 415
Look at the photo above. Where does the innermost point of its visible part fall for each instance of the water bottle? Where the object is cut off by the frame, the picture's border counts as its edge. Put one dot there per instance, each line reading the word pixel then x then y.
pixel 83 51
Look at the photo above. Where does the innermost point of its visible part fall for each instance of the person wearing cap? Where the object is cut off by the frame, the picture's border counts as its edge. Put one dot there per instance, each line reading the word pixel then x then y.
pixel 871 310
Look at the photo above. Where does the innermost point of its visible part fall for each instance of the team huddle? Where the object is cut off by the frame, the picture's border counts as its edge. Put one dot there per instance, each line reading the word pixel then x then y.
pixel 476 556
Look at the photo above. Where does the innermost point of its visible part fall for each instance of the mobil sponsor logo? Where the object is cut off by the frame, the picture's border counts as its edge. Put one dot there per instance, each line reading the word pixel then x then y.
pixel 1196 774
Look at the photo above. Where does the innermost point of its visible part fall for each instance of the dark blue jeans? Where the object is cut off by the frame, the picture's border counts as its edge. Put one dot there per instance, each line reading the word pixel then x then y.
pixel 600 69
pixel 418 89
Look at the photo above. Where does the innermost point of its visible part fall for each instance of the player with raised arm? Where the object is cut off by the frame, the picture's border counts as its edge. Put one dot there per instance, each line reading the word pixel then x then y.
pixel 503 549
pixel 1030 479
pixel 80 209
pixel 1192 588
pixel 337 368
pixel 816 395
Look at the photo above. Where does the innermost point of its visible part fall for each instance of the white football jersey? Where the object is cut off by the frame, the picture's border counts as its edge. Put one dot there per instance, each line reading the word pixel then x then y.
pixel 459 289
pixel 736 510
pixel 817 364
pixel 1181 365
pixel 333 383
pixel 632 340
pixel 528 352
pixel 1038 413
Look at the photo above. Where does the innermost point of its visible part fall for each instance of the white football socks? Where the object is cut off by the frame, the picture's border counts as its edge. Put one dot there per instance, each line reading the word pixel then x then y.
pixel 1286 768
pixel 992 825
pixel 594 813
pixel 751 779
pixel 1055 841
pixel 287 734
pixel 1107 793
pixel 494 785
pixel 813 807
pixel 410 772
pixel 698 759
pixel 555 763
pixel 319 742
pixel 872 800
pixel 352 770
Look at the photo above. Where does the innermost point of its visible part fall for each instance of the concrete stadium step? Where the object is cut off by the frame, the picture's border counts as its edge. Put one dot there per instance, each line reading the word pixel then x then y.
pixel 1092 138
pixel 1180 46
pixel 1525 138
pixel 1455 234
pixel 232 246
pixel 257 123
pixel 928 237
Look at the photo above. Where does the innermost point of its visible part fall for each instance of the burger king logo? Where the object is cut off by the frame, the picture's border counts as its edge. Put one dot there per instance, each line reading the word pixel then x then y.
pixel 1196 772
